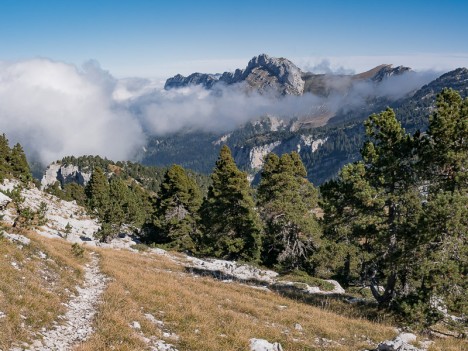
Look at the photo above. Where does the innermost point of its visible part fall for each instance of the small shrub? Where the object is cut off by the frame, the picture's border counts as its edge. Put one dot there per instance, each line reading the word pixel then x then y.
pixel 303 277
pixel 77 250
pixel 140 247
pixel 67 231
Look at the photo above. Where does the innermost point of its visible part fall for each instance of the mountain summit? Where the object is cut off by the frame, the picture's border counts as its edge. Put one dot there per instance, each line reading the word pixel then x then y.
pixel 266 74
pixel 263 73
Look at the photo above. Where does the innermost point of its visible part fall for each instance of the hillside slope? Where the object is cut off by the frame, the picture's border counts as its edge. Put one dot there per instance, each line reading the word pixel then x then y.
pixel 158 300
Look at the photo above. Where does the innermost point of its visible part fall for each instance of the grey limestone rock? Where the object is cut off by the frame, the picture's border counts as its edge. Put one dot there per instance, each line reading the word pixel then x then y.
pixel 263 73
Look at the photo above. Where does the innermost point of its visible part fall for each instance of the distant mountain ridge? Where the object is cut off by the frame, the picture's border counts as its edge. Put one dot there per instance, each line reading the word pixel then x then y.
pixel 325 149
pixel 266 74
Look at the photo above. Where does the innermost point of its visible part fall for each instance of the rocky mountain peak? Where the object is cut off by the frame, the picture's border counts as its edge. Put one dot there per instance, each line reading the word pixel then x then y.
pixel 387 71
pixel 286 72
pixel 263 74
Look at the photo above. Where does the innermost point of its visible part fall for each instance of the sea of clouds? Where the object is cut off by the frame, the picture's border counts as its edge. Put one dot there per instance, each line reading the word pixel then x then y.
pixel 55 109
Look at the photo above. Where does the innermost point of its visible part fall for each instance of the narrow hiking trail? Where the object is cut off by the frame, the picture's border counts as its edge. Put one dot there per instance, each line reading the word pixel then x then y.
pixel 76 324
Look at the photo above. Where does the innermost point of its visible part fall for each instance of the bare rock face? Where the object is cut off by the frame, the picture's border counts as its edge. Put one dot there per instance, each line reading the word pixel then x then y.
pixel 64 174
pixel 4 201
pixel 388 71
pixel 263 74
pixel 179 81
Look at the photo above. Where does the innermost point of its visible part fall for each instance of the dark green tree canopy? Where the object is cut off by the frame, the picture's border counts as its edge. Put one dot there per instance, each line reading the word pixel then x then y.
pixel 286 200
pixel 231 226
pixel 400 214
pixel 177 210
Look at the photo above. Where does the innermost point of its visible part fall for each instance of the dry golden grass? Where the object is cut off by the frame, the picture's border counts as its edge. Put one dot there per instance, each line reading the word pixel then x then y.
pixel 449 344
pixel 32 294
pixel 212 315
pixel 206 314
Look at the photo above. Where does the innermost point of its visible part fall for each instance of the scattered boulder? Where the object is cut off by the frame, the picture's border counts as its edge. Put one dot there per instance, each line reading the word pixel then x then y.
pixel 401 343
pixel 263 345
pixel 135 325
pixel 17 238
pixel 4 201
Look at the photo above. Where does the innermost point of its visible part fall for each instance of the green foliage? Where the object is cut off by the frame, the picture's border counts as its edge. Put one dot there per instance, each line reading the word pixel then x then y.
pixel 149 177
pixel 97 192
pixel 445 148
pixel 68 229
pixel 41 213
pixel 13 162
pixel 231 226
pixel 400 216
pixel 286 200
pixel 5 166
pixel 303 277
pixel 77 250
pixel 19 165
pixel 177 210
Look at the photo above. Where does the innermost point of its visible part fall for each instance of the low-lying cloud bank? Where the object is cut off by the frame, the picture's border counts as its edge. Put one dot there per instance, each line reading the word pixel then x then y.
pixel 55 109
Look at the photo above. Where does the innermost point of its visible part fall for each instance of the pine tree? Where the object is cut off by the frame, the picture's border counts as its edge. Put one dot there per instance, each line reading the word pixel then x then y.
pixel 5 154
pixel 401 214
pixel 116 213
pixel 232 228
pixel 445 148
pixel 19 164
pixel 286 200
pixel 97 192
pixel 377 206
pixel 139 206
pixel 177 210
pixel 443 231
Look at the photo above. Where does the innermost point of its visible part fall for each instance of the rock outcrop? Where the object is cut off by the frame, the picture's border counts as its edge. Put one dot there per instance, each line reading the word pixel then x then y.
pixel 388 71
pixel 403 342
pixel 263 345
pixel 263 73
pixel 64 174
pixel 4 201
pixel 179 81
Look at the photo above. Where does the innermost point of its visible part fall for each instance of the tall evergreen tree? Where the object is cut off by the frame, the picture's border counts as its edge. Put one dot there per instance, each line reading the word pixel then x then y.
pixel 402 213
pixel 117 211
pixel 286 200
pixel 177 210
pixel 445 147
pixel 443 230
pixel 376 204
pixel 19 165
pixel 5 152
pixel 232 228
pixel 97 192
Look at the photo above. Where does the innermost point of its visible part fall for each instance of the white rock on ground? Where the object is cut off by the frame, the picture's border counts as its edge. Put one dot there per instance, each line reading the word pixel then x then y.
pixel 401 343
pixel 263 345
pixel 238 271
pixel 77 325
pixel 59 213
pixel 17 238
pixel 4 200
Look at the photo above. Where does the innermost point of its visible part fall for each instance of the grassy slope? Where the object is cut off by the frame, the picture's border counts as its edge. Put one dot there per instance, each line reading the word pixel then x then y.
pixel 206 314
pixel 212 315
pixel 31 295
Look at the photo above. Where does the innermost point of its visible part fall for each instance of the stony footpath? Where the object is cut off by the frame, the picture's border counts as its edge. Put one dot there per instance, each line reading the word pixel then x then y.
pixel 76 324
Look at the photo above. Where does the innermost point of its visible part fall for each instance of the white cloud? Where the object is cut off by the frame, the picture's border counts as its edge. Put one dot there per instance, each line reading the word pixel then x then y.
pixel 54 109
pixel 418 62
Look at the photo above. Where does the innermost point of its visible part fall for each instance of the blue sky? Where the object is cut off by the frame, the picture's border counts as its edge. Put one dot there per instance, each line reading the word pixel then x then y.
pixel 161 38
